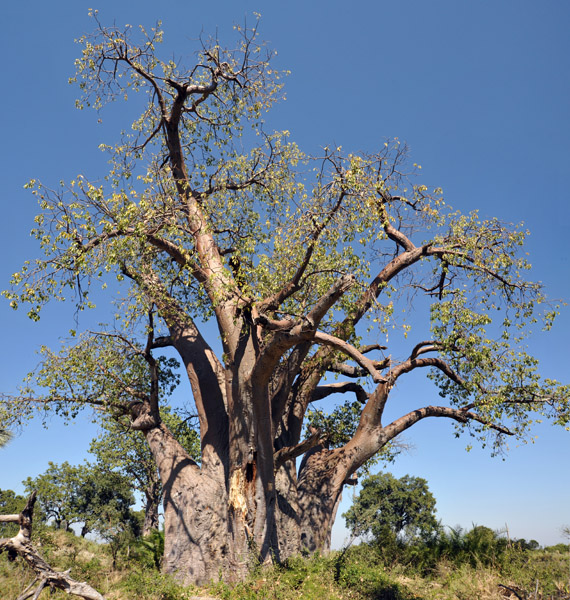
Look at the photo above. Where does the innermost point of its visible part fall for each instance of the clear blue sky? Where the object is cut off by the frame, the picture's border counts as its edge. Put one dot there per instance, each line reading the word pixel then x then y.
pixel 479 90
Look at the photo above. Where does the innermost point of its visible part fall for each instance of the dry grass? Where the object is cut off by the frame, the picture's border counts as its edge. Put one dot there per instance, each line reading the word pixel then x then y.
pixel 360 576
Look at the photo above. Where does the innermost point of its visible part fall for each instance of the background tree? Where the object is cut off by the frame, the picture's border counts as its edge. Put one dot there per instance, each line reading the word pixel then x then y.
pixel 103 503
pixel 57 490
pixel 205 216
pixel 402 507
pixel 91 495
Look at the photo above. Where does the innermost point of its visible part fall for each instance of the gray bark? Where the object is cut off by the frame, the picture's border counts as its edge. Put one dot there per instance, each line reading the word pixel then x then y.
pixel 151 521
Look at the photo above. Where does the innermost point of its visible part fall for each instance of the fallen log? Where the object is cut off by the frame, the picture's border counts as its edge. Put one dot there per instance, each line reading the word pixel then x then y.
pixel 46 577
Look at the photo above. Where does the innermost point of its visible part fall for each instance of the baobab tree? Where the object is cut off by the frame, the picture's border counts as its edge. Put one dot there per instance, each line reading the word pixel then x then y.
pixel 297 261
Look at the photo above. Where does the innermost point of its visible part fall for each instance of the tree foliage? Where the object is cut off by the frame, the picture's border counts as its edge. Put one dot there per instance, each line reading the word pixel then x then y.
pixel 404 507
pixel 204 216
pixel 57 491
pixel 5 437
pixel 90 495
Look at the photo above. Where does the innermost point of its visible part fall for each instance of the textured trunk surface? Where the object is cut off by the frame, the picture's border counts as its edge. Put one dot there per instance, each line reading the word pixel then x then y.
pixel 320 485
pixel 151 520
pixel 197 546
pixel 210 523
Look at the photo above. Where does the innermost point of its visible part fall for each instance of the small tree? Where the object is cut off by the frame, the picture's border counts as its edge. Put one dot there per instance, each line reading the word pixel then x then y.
pixel 402 507
pixel 57 491
pixel 92 495
pixel 103 502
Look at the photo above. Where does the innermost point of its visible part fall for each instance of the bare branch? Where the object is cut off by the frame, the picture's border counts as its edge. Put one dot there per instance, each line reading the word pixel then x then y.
pixel 457 414
pixel 9 518
pixel 370 347
pixel 323 391
pixel 350 350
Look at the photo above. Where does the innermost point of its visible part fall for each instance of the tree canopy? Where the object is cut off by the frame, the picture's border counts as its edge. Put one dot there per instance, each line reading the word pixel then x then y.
pixel 402 507
pixel 57 491
pixel 306 266
pixel 93 496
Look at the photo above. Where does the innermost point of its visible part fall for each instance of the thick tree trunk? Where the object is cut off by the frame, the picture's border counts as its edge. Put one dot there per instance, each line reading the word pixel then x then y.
pixel 321 480
pixel 237 508
pixel 210 524
pixel 197 545
pixel 287 515
pixel 201 536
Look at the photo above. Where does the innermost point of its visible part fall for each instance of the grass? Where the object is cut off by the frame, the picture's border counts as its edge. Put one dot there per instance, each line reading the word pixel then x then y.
pixel 362 573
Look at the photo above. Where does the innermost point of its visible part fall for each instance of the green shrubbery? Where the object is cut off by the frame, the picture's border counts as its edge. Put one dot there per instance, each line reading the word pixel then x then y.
pixel 479 547
pixel 452 565
pixel 451 559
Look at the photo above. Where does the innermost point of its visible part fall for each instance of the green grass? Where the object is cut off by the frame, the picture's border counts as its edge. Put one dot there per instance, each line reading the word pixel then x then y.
pixel 362 573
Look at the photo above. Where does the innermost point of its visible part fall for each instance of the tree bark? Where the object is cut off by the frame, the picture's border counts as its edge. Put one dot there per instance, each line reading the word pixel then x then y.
pixel 152 501
pixel 197 541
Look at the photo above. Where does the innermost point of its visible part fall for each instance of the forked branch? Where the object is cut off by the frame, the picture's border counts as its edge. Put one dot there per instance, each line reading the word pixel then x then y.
pixel 352 352
pixel 292 452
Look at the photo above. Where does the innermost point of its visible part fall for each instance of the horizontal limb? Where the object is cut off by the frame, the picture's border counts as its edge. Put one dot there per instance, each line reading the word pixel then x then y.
pixel 461 415
pixel 323 391
pixel 291 452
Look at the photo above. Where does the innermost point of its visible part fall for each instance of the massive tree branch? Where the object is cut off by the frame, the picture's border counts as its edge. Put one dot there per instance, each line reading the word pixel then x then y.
pixel 291 452
pixel 350 350
pixel 303 330
pixel 323 391
pixel 205 372
pixel 457 414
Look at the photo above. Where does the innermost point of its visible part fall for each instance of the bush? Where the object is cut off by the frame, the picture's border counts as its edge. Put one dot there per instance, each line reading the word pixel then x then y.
pixel 148 550
pixel 150 585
